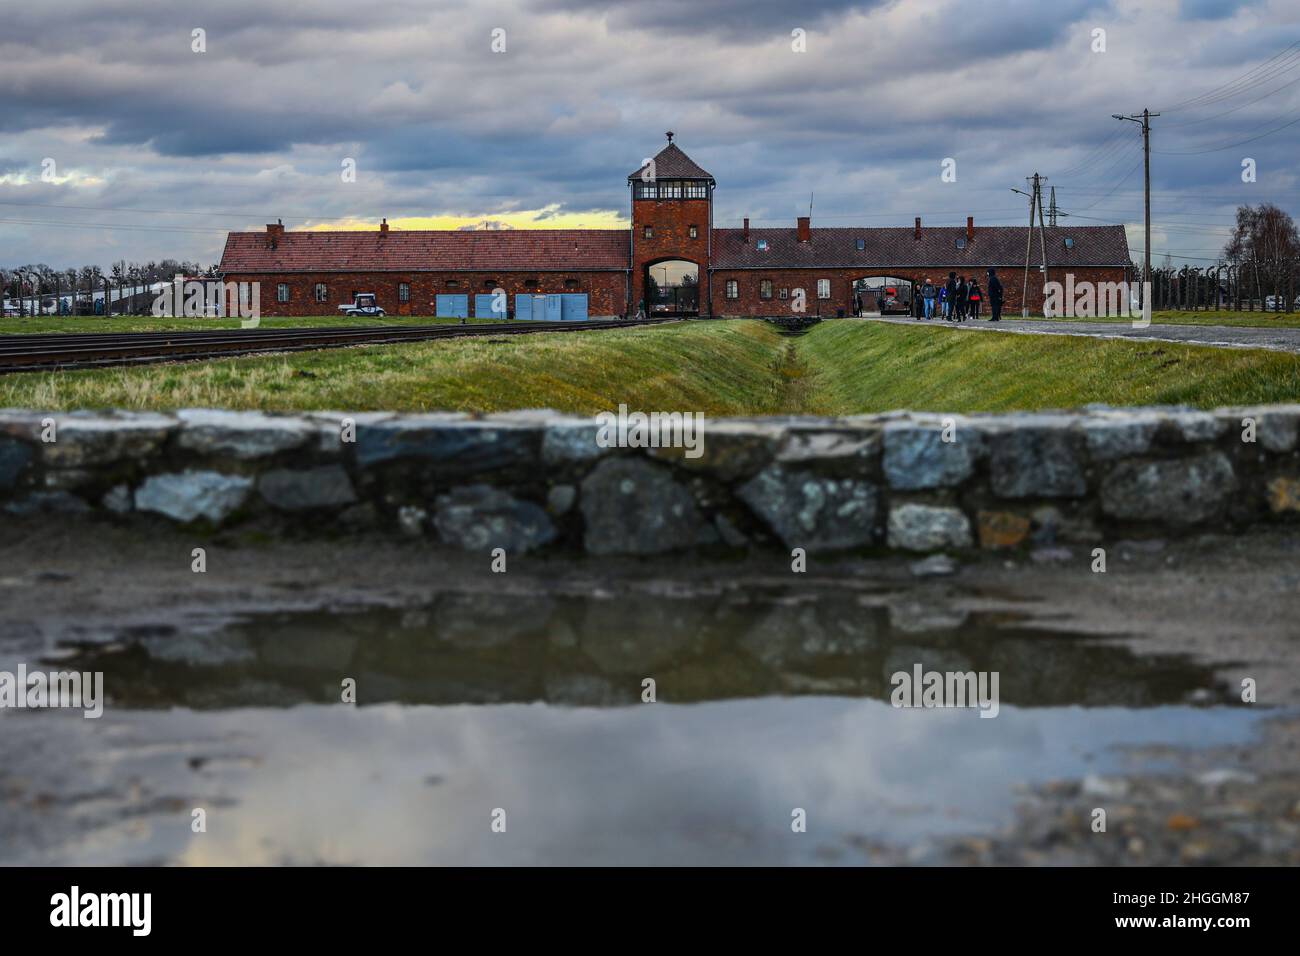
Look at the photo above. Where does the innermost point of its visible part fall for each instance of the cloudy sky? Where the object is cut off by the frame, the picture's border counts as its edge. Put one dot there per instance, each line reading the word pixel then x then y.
pixel 119 140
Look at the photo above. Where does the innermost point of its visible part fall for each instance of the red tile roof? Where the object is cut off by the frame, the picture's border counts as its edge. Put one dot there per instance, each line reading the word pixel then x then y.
pixel 992 246
pixel 672 163
pixel 518 250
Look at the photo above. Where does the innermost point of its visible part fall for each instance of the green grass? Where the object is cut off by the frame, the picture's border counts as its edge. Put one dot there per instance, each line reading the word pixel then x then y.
pixel 868 367
pixel 716 368
pixel 719 368
pixel 136 323
pixel 1246 320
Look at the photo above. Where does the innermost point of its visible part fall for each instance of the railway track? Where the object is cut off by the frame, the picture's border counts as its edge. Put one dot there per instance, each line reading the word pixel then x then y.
pixel 78 350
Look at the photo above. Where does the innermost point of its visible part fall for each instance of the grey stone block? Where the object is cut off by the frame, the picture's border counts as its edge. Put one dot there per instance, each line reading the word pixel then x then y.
pixel 479 518
pixel 327 486
pixel 185 496
pixel 809 511
pixel 1030 462
pixel 1181 491
pixel 917 527
pixel 631 506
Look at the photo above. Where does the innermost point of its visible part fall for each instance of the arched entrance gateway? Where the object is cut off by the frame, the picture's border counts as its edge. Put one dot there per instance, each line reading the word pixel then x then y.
pixel 672 287
pixel 883 295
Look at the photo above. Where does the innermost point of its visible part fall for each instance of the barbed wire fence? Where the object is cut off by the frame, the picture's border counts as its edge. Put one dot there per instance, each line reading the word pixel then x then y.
pixel 1242 287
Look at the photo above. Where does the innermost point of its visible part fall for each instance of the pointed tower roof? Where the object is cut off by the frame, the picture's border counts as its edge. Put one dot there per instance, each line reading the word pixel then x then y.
pixel 672 163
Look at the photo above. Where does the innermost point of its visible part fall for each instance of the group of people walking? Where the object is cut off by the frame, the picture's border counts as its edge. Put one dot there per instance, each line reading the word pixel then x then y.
pixel 958 299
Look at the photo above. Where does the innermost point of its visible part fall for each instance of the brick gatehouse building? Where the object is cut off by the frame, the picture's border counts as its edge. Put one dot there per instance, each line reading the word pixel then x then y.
pixel 672 261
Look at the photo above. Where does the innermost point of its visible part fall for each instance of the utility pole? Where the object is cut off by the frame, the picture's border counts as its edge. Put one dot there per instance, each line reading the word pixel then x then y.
pixel 1052 209
pixel 1035 209
pixel 1144 119
pixel 1042 233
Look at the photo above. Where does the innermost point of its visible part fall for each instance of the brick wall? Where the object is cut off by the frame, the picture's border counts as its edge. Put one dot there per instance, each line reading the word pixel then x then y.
pixel 670 220
pixel 607 291
pixel 748 301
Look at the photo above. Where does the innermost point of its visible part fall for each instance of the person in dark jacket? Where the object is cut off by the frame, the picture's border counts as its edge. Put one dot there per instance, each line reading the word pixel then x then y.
pixel 950 297
pixel 960 303
pixel 995 296
pixel 974 296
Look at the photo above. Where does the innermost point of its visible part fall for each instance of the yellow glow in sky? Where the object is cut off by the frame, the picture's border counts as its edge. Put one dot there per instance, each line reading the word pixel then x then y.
pixel 547 218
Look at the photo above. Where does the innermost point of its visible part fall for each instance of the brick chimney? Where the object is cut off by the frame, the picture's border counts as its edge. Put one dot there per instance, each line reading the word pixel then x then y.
pixel 803 228
pixel 745 234
pixel 383 226
pixel 970 228
pixel 274 232
pixel 917 232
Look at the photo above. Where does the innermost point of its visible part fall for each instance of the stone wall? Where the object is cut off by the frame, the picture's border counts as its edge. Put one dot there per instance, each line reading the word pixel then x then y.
pixel 538 480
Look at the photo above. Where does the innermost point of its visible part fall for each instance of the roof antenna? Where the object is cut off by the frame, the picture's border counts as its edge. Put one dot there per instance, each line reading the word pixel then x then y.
pixel 670 137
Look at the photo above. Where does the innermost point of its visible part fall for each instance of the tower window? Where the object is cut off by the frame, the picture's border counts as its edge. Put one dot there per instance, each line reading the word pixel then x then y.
pixel 648 232
pixel 733 289
pixel 765 288
pixel 697 191
pixel 694 232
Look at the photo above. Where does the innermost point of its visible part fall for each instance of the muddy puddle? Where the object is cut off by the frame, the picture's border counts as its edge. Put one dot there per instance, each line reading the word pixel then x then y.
pixel 496 728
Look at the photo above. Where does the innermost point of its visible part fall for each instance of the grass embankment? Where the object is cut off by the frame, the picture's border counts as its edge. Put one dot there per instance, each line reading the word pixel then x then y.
pixel 867 367
pixel 719 368
pixel 716 368
pixel 47 324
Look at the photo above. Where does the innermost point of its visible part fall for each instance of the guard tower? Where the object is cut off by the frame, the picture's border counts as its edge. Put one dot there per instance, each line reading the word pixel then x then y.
pixel 672 229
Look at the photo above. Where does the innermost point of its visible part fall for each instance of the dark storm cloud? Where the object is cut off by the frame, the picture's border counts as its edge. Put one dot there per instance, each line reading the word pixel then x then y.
pixel 258 125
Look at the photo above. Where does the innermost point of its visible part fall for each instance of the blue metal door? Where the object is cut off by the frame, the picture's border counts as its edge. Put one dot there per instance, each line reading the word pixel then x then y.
pixel 453 306
pixel 554 308
pixel 483 307
pixel 575 306
pixel 523 307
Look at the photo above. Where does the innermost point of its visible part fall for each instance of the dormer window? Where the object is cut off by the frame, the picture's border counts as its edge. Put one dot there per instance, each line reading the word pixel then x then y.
pixel 961 243
pixel 762 245
pixel 1069 242
pixel 861 244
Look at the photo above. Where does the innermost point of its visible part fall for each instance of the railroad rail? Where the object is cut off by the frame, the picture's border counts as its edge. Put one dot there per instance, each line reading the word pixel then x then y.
pixel 80 350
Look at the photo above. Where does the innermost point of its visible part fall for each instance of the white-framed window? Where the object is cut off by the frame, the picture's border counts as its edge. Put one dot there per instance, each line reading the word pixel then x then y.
pixel 697 190
pixel 648 232
pixel 733 289
pixel 282 292
pixel 403 292
pixel 694 232
pixel 765 288
pixel 823 288
pixel 785 293
pixel 322 293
